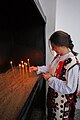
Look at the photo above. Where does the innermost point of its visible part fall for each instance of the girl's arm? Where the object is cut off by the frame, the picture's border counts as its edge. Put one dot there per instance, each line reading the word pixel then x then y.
pixel 39 69
pixel 68 86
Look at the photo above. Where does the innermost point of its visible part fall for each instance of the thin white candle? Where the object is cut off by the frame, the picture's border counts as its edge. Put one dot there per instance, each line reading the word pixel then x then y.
pixel 12 69
pixel 20 69
pixel 11 64
pixel 28 66
pixel 25 65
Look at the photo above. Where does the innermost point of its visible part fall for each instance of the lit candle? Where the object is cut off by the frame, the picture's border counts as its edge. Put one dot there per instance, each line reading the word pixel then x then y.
pixel 26 70
pixel 20 69
pixel 28 64
pixel 12 68
pixel 25 65
pixel 11 65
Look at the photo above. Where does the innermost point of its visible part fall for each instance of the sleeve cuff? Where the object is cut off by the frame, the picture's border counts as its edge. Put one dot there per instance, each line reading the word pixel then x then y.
pixel 38 71
pixel 50 80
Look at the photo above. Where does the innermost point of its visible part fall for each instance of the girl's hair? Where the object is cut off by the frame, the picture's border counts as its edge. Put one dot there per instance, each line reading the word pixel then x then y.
pixel 60 38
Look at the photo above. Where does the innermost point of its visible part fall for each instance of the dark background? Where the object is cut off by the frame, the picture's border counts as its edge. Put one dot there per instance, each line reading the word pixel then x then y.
pixel 22 33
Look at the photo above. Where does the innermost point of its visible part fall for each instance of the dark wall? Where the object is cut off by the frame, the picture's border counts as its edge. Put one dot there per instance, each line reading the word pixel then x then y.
pixel 22 33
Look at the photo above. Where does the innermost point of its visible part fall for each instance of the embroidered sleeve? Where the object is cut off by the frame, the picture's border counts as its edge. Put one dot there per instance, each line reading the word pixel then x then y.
pixel 43 69
pixel 65 87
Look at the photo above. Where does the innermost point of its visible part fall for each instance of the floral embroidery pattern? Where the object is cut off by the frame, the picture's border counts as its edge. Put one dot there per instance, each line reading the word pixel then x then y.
pixel 59 69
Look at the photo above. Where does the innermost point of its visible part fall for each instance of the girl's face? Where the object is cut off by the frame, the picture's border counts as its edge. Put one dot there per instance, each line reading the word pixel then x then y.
pixel 61 50
pixel 57 49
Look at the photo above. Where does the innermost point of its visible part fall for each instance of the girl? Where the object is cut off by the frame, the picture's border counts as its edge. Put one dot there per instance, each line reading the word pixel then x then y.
pixel 62 77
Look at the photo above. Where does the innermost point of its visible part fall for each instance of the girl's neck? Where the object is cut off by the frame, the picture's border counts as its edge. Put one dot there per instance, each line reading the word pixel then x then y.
pixel 65 51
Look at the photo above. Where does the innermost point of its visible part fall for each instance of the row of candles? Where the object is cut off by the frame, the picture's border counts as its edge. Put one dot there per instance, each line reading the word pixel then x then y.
pixel 23 67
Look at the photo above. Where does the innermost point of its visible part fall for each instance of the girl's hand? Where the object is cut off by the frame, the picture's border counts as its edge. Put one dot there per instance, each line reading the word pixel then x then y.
pixel 33 69
pixel 46 76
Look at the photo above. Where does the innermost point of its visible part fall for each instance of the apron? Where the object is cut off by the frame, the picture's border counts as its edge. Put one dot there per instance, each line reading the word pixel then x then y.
pixel 62 107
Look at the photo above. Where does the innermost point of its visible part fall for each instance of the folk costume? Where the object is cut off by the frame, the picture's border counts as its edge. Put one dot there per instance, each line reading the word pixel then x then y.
pixel 61 97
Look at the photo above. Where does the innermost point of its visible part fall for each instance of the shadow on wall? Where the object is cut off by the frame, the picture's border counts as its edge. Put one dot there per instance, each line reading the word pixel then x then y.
pixel 36 56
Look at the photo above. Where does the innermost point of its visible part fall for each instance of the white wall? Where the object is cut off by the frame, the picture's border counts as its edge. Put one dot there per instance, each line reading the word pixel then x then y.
pixel 68 19
pixel 62 15
pixel 49 7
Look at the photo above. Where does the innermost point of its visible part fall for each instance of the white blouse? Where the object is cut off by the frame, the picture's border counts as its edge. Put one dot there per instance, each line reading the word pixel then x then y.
pixel 60 86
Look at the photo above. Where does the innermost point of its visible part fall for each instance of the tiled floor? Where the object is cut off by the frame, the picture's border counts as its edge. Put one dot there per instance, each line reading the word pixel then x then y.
pixel 77 114
pixel 37 115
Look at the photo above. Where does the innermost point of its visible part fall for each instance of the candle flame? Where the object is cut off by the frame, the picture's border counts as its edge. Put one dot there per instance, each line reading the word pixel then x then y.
pixel 22 66
pixel 19 65
pixel 10 62
pixel 22 62
pixel 27 59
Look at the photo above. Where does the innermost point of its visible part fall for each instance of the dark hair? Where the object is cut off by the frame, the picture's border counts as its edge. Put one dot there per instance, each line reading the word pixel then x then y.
pixel 61 38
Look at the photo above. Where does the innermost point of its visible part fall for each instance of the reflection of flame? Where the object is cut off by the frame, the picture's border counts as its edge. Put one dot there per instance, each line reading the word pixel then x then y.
pixel 36 56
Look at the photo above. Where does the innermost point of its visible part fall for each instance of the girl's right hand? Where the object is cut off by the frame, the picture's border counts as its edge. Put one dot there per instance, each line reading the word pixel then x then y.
pixel 33 69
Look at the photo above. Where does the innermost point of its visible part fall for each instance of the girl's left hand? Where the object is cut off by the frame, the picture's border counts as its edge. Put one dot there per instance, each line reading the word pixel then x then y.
pixel 46 76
